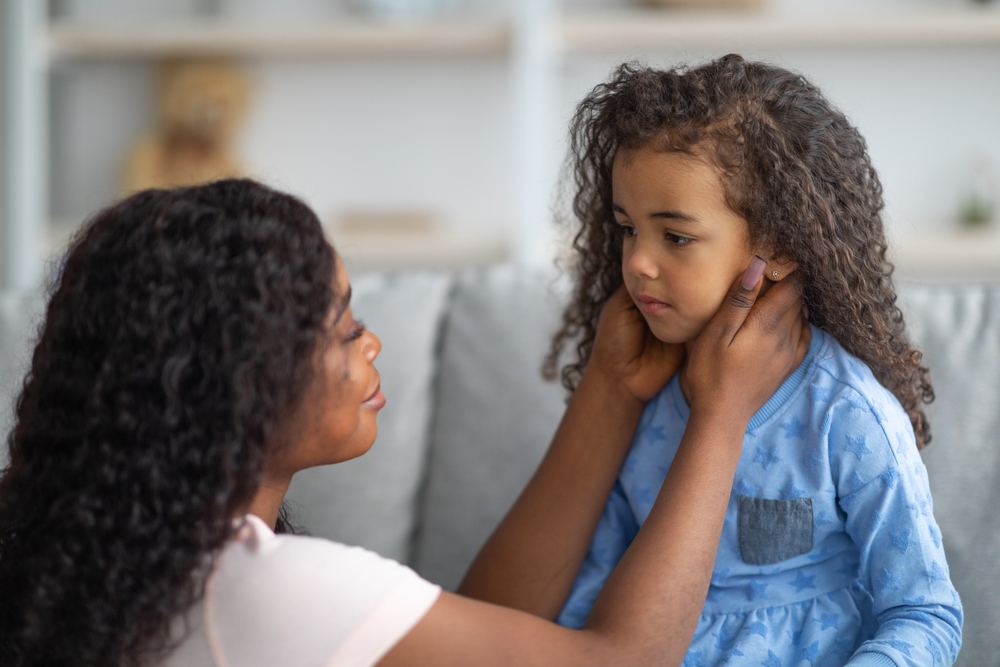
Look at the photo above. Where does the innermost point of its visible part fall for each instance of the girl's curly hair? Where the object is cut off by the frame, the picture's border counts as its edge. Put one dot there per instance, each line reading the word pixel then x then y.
pixel 182 331
pixel 792 166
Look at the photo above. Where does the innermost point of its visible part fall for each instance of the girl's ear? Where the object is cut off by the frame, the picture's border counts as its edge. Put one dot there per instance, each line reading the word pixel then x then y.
pixel 778 268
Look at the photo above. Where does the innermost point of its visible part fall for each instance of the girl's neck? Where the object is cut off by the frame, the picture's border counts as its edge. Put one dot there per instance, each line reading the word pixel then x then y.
pixel 800 354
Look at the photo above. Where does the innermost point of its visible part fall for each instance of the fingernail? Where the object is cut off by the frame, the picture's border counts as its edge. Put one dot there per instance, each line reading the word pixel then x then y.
pixel 753 273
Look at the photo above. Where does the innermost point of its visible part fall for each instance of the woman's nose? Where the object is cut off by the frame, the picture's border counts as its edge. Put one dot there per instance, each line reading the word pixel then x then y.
pixel 373 345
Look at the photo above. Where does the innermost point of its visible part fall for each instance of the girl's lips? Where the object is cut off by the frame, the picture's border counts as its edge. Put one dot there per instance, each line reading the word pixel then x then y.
pixel 649 305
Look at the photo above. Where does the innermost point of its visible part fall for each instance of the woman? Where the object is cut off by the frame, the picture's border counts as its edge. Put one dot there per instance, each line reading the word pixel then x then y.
pixel 200 348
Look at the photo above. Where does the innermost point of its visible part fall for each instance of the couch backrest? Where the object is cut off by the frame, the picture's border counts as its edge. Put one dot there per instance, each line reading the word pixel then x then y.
pixel 958 328
pixel 469 418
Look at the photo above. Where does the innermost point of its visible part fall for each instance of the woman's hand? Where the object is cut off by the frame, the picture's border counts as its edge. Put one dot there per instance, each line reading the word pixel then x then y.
pixel 747 350
pixel 628 354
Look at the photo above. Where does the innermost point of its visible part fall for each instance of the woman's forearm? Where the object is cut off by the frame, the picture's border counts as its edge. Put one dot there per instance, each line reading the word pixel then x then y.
pixel 650 604
pixel 531 560
pixel 649 607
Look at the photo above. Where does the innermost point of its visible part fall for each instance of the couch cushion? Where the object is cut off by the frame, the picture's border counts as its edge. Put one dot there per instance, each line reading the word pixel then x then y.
pixel 494 416
pixel 371 501
pixel 958 328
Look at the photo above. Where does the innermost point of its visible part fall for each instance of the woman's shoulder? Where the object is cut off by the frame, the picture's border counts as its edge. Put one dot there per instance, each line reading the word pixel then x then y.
pixel 299 561
pixel 271 593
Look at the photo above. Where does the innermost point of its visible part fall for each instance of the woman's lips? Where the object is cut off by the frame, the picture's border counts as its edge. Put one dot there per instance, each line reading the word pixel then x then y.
pixel 376 400
pixel 649 305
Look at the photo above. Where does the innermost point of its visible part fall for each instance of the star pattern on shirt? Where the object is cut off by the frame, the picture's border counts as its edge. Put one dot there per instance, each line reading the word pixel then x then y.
pixel 936 573
pixel 656 433
pixel 857 445
pixel 803 581
pixel 811 653
pixel 758 589
pixel 935 534
pixel 937 655
pixel 766 457
pixel 901 646
pixel 900 539
pixel 694 659
pixel 828 621
pixel 890 478
pixel 745 488
pixel 793 492
pixel 757 628
pixel 771 660
pixel 794 428
pixel 888 580
pixel 726 636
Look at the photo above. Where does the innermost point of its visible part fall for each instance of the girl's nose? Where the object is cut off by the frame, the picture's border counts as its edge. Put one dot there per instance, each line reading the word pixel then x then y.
pixel 640 262
pixel 372 346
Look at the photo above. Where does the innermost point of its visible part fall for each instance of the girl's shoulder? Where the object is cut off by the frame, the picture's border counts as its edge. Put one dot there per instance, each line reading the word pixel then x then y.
pixel 867 432
pixel 843 381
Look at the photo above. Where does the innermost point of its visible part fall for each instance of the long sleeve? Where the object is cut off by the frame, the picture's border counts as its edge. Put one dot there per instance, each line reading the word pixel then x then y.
pixel 883 490
pixel 614 533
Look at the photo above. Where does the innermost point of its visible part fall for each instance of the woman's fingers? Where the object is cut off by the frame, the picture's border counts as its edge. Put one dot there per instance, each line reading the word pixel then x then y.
pixel 734 310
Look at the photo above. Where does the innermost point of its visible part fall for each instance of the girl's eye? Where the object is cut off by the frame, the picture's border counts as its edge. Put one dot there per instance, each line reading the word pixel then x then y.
pixel 357 332
pixel 628 231
pixel 677 240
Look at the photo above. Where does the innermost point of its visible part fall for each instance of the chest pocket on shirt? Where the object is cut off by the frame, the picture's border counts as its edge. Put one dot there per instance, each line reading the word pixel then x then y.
pixel 771 531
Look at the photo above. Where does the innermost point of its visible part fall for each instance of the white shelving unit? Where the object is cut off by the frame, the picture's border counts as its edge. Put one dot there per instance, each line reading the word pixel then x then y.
pixel 345 38
pixel 650 29
pixel 535 41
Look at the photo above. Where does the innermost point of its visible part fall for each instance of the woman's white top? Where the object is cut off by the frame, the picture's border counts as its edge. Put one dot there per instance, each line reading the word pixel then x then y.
pixel 295 601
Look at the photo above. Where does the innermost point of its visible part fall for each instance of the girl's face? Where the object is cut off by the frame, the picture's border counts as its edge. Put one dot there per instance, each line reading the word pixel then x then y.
pixel 337 420
pixel 683 246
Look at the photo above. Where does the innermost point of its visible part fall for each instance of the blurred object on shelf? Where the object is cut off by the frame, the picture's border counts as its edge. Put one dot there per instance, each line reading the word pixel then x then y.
pixel 704 4
pixel 117 12
pixel 202 104
pixel 978 205
pixel 403 10
pixel 968 254
pixel 400 222
pixel 413 239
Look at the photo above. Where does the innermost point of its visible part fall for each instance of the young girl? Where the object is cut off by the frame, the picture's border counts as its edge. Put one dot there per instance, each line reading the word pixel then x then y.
pixel 830 553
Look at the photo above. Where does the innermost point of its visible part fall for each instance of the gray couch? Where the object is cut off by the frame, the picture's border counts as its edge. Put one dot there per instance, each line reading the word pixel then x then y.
pixel 469 418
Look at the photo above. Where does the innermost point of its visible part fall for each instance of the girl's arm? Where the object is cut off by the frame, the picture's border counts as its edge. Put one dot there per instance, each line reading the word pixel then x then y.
pixel 883 490
pixel 649 608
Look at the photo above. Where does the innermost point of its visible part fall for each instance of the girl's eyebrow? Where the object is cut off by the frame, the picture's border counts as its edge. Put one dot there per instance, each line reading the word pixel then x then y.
pixel 674 215
pixel 668 215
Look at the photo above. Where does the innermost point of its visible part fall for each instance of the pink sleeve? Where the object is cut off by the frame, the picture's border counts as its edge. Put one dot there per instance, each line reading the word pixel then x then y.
pixel 292 601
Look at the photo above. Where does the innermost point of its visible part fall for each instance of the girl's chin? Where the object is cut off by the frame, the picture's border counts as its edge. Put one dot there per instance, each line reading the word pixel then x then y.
pixel 670 334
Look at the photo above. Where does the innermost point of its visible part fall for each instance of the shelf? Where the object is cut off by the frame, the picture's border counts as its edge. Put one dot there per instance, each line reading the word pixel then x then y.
pixel 67 42
pixel 576 32
pixel 440 248
pixel 662 29
pixel 963 254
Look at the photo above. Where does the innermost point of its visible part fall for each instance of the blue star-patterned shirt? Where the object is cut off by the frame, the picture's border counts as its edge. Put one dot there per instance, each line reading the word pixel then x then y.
pixel 830 554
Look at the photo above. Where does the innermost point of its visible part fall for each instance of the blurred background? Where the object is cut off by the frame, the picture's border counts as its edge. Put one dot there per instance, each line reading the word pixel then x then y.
pixel 430 133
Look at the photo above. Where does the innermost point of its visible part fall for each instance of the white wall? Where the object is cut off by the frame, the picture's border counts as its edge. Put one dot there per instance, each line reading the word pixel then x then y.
pixel 435 133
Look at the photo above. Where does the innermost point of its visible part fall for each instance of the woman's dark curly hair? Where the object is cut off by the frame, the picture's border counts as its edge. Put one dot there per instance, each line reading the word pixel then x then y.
pixel 182 331
pixel 792 166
